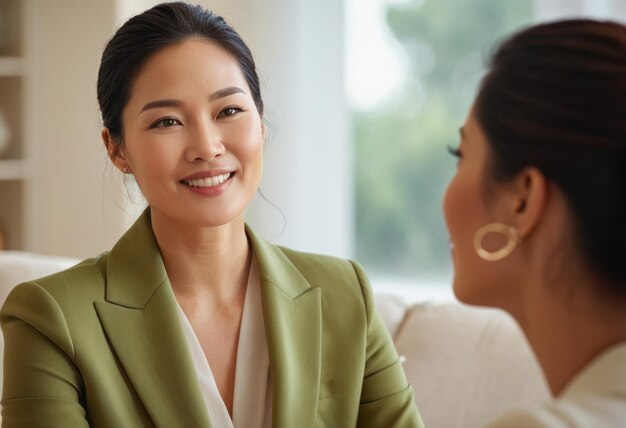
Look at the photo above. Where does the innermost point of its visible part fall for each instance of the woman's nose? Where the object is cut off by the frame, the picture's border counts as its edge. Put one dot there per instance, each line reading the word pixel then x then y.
pixel 204 144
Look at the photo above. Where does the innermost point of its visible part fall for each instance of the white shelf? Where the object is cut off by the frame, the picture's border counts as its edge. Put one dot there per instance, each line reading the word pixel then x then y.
pixel 13 169
pixel 11 66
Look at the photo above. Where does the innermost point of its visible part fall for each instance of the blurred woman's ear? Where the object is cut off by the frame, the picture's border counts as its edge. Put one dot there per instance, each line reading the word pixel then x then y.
pixel 527 205
pixel 115 151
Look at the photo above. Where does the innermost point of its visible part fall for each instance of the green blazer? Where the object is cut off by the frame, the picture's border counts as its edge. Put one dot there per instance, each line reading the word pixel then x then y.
pixel 101 345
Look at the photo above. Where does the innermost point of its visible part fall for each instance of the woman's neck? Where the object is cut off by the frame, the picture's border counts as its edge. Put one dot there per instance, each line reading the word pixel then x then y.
pixel 567 330
pixel 204 261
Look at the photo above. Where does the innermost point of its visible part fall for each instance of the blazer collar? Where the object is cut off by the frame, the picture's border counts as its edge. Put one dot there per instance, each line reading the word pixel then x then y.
pixel 141 321
pixel 135 268
pixel 275 268
pixel 292 311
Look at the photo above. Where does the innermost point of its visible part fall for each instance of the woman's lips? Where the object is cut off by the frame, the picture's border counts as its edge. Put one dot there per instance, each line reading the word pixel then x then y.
pixel 208 181
pixel 209 186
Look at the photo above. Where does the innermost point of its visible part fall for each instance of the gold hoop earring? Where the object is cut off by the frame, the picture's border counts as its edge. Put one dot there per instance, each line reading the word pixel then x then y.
pixel 508 231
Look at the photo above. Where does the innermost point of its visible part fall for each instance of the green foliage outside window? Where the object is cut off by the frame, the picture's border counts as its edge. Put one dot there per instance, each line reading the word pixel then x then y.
pixel 402 165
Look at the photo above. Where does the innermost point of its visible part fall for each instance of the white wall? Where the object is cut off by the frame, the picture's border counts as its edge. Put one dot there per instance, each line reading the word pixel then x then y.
pixel 68 209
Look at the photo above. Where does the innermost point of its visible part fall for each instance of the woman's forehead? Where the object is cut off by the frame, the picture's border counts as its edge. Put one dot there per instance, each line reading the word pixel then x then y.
pixel 193 67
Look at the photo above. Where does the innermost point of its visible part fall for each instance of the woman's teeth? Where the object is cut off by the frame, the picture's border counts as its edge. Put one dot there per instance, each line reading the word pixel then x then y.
pixel 208 181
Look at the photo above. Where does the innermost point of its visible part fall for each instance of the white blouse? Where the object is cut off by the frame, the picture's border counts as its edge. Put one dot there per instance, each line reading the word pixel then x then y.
pixel 595 398
pixel 252 397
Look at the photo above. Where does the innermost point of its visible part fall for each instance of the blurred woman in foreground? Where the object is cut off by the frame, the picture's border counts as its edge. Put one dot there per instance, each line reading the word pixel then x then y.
pixel 537 212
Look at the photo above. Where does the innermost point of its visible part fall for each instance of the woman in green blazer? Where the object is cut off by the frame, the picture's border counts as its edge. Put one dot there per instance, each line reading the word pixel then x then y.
pixel 107 342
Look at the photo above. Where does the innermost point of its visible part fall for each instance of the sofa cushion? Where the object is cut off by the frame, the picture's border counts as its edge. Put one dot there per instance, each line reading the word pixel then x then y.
pixel 392 308
pixel 467 365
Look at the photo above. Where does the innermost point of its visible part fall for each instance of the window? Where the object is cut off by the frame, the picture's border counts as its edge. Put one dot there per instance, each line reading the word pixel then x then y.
pixel 413 69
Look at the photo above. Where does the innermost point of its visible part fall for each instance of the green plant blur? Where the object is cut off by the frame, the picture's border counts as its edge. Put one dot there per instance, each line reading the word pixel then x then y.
pixel 402 164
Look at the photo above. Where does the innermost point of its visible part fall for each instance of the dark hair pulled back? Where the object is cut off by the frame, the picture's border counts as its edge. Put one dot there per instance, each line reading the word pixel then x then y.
pixel 145 34
pixel 555 98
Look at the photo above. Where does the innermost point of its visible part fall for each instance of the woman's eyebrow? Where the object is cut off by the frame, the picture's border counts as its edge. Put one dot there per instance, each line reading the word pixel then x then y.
pixel 161 103
pixel 226 92
pixel 177 103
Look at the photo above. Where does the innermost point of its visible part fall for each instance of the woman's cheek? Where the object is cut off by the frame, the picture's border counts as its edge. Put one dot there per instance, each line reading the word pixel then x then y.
pixel 451 208
pixel 248 146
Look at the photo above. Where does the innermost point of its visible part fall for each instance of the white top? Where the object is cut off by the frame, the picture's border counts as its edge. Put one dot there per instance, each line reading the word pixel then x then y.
pixel 595 398
pixel 252 398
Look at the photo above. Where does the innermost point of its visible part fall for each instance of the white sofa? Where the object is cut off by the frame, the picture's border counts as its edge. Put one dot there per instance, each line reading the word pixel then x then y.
pixel 466 365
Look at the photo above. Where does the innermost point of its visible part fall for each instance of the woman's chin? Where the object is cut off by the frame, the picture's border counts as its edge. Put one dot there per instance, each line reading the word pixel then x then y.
pixel 465 293
pixel 458 291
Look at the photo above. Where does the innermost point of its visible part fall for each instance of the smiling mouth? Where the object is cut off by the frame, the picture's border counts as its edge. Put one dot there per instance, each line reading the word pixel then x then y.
pixel 208 181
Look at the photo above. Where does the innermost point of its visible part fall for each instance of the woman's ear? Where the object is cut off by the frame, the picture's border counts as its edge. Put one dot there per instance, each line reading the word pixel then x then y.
pixel 115 151
pixel 530 191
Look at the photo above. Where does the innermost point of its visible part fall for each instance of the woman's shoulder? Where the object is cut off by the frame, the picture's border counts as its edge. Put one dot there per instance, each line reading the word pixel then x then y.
pixel 341 280
pixel 85 271
pixel 528 419
pixel 311 266
pixel 83 280
pixel 303 258
pixel 322 266
pixel 564 414
pixel 596 397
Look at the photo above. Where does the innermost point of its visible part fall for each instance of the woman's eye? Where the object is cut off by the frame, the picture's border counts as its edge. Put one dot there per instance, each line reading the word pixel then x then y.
pixel 229 111
pixel 165 123
pixel 455 151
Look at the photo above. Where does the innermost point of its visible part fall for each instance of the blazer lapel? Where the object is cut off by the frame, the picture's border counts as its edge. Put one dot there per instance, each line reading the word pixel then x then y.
pixel 293 322
pixel 140 320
